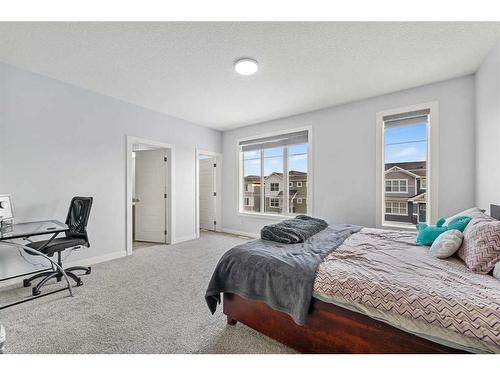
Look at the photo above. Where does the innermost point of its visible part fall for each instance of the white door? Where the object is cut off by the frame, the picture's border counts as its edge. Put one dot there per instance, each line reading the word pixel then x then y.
pixel 150 192
pixel 207 193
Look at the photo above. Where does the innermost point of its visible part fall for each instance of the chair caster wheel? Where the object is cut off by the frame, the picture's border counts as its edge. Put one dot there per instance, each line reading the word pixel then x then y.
pixel 79 282
pixel 26 283
pixel 36 292
pixel 88 271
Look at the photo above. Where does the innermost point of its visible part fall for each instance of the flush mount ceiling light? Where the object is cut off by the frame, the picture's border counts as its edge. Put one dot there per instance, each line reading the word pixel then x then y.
pixel 246 66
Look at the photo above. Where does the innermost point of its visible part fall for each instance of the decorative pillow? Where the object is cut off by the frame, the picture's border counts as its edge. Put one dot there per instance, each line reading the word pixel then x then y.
pixel 481 245
pixel 471 212
pixel 427 235
pixel 459 222
pixel 446 244
pixel 496 271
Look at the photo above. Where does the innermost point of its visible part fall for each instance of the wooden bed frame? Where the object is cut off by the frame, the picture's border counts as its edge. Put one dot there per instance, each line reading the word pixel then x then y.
pixel 328 329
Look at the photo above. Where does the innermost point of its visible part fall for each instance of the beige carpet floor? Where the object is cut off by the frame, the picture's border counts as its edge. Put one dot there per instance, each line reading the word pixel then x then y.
pixel 150 302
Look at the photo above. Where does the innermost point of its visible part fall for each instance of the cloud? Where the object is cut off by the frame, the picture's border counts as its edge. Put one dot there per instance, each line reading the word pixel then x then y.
pixel 406 152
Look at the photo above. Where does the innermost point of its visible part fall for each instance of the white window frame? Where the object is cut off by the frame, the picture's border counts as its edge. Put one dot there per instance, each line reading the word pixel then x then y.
pixel 299 200
pixel 271 184
pixel 422 187
pixel 277 205
pixel 290 184
pixel 246 199
pixel 432 164
pixel 299 183
pixel 310 176
pixel 399 185
pixel 399 204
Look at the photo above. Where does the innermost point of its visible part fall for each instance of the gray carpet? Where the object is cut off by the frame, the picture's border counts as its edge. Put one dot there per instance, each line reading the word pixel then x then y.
pixel 151 302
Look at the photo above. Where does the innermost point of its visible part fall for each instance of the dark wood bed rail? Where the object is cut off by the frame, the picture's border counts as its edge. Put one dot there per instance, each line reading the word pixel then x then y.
pixel 328 329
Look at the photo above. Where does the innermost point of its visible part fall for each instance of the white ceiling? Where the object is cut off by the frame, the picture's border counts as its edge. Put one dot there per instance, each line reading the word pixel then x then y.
pixel 186 69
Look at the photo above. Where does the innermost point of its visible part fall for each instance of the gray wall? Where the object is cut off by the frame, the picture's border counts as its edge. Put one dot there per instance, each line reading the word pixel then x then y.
pixel 57 140
pixel 344 154
pixel 488 130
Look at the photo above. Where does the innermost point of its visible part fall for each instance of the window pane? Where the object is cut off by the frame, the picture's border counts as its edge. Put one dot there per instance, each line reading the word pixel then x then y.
pixel 405 157
pixel 273 179
pixel 251 181
pixel 297 175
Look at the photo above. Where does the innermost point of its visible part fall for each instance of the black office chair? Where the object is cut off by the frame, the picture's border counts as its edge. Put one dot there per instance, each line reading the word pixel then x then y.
pixel 76 236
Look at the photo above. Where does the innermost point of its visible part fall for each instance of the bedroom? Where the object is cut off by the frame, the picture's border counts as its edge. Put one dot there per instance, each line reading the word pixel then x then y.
pixel 383 136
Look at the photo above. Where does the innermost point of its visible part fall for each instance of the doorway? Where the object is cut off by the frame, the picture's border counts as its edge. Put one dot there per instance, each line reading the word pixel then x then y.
pixel 149 193
pixel 208 191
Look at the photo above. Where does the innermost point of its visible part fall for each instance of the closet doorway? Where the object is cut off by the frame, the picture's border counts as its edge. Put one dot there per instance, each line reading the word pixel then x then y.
pixel 208 191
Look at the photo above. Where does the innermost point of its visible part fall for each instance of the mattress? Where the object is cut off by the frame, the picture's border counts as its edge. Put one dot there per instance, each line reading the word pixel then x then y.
pixel 384 275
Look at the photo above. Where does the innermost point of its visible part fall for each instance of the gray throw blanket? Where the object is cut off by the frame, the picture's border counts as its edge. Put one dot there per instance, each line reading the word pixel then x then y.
pixel 293 230
pixel 280 275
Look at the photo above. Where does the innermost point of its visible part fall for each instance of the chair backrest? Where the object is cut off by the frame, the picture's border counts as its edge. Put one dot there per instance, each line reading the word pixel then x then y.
pixel 78 217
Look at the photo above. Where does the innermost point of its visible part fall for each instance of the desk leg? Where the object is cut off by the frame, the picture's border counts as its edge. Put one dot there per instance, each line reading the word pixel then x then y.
pixel 46 257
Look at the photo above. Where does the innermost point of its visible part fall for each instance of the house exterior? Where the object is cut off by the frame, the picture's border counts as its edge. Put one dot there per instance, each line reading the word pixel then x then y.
pixel 405 192
pixel 273 188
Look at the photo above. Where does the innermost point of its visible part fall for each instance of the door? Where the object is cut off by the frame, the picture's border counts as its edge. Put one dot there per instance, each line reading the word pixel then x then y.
pixel 208 193
pixel 422 213
pixel 150 193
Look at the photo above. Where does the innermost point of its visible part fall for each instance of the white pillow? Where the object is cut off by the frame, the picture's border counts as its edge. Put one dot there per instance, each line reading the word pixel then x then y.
pixel 496 271
pixel 446 244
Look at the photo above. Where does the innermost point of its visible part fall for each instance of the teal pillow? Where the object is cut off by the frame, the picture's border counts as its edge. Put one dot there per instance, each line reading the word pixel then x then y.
pixel 427 235
pixel 459 223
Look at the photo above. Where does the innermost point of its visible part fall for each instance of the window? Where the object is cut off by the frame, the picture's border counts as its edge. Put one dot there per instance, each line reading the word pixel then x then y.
pixel 396 208
pixel 247 201
pixel 269 164
pixel 405 150
pixel 396 186
pixel 423 184
pixel 299 200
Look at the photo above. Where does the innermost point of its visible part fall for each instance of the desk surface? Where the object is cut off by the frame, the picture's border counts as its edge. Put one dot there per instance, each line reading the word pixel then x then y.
pixel 34 228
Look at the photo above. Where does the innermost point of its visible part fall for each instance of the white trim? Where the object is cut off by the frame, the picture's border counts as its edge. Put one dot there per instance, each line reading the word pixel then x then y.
pixel 402 170
pixel 299 200
pixel 189 237
pixel 432 167
pixel 240 233
pixel 258 215
pixel 399 185
pixel 310 172
pixel 218 189
pixel 405 204
pixel 170 212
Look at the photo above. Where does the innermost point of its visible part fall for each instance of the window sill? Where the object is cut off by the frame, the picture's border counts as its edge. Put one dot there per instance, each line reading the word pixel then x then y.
pixel 266 216
pixel 410 227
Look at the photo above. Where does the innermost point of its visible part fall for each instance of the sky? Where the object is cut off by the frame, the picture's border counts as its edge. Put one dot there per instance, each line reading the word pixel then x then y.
pixel 408 143
pixel 402 144
pixel 273 160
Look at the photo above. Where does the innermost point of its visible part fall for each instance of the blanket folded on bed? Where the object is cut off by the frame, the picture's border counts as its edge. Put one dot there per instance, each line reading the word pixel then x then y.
pixel 293 230
pixel 280 275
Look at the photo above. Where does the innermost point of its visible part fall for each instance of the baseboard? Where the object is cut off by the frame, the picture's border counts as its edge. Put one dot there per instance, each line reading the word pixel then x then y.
pixel 240 233
pixel 95 260
pixel 184 238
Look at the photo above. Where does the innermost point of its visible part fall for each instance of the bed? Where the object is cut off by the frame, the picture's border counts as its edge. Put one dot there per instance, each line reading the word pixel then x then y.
pixel 377 292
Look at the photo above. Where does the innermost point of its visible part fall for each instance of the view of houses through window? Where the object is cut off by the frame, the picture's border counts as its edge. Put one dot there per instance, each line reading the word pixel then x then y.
pixel 275 163
pixel 405 168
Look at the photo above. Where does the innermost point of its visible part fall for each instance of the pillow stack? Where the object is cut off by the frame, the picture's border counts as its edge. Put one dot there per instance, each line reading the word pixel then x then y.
pixel 480 249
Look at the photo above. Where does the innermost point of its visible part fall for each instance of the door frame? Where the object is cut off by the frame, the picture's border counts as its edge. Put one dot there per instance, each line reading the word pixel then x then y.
pixel 218 187
pixel 170 209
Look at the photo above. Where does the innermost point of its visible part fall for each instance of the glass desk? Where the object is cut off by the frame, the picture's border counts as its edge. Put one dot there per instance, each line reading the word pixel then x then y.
pixel 30 229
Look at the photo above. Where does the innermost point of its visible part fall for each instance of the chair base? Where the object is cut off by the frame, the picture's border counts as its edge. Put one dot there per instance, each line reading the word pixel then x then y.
pixel 49 275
